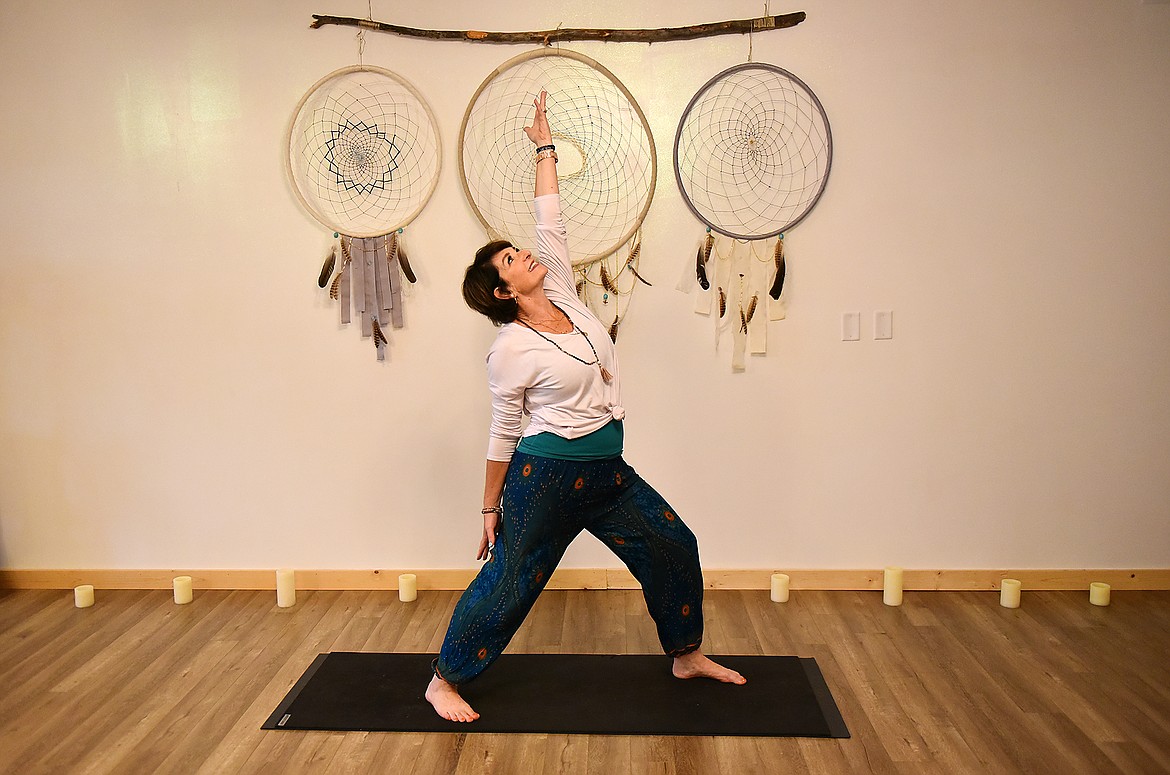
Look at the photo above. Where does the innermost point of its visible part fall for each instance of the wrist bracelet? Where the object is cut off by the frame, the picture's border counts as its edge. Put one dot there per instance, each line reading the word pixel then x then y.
pixel 541 155
pixel 549 147
pixel 492 510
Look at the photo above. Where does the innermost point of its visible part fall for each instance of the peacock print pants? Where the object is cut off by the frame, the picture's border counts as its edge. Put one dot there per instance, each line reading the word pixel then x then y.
pixel 547 502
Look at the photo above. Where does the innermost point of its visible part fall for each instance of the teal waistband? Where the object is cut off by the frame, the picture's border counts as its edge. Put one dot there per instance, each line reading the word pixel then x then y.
pixel 603 443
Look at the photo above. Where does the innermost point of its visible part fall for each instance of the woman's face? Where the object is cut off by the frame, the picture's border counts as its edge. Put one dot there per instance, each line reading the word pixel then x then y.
pixel 520 270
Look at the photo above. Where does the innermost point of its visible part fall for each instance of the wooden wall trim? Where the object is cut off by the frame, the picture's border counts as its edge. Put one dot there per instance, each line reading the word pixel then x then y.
pixel 588 578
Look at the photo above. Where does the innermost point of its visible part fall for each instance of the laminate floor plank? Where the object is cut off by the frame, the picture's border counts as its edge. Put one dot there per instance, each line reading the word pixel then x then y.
pixel 439 753
pixel 948 682
pixel 229 733
pixel 349 753
pixel 176 743
pixel 160 682
pixel 153 745
pixel 315 635
pixel 91 688
pixel 71 637
pixel 32 620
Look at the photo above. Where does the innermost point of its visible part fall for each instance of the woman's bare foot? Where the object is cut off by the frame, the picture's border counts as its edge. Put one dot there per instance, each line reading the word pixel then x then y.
pixel 447 702
pixel 695 665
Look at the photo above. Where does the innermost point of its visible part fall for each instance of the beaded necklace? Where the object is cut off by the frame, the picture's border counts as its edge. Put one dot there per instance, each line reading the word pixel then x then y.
pixel 605 375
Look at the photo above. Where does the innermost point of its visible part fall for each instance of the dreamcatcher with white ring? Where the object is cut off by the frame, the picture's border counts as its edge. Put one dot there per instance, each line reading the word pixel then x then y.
pixel 364 157
pixel 751 157
pixel 606 168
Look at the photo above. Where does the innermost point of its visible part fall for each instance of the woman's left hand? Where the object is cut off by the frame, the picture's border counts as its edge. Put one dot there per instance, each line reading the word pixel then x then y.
pixel 487 543
pixel 539 133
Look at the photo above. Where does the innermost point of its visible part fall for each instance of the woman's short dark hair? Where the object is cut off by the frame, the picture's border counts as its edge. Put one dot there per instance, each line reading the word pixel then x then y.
pixel 481 281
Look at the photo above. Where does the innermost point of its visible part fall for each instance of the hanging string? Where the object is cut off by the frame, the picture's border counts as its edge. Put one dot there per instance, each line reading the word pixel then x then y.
pixel 361 36
pixel 767 11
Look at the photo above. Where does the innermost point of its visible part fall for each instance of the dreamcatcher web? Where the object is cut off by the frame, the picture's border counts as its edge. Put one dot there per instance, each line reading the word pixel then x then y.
pixel 751 157
pixel 753 151
pixel 363 152
pixel 607 164
pixel 364 158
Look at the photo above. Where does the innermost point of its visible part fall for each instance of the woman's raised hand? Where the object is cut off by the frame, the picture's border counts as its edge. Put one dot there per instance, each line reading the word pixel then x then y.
pixel 539 133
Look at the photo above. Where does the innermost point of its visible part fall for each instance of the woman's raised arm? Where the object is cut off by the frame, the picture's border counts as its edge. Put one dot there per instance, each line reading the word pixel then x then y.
pixel 546 161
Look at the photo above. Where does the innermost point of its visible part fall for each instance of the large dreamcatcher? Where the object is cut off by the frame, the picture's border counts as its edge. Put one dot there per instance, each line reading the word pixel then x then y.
pixel 751 157
pixel 606 170
pixel 364 157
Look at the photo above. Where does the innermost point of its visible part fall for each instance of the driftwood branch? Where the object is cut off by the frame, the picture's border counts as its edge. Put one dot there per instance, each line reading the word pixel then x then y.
pixel 548 37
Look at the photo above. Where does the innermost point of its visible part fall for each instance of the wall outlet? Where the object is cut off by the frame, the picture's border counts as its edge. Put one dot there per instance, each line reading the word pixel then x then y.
pixel 883 324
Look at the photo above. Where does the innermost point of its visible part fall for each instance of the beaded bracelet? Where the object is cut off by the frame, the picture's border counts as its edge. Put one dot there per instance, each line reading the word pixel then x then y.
pixel 546 155
pixel 549 147
pixel 492 510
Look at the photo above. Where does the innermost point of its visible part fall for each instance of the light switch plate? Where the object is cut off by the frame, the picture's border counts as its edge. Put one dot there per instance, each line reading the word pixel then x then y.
pixel 883 324
pixel 850 326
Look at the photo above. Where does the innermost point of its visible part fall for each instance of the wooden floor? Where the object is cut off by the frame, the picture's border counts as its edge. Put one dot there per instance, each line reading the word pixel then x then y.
pixel 948 683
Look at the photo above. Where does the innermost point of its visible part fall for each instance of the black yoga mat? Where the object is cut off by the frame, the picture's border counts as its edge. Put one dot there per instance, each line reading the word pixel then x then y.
pixel 603 694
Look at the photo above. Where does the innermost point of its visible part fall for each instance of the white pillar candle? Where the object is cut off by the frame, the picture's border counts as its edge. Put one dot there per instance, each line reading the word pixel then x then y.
pixel 83 596
pixel 1009 593
pixel 183 593
pixel 892 586
pixel 408 587
pixel 779 587
pixel 286 588
pixel 1099 593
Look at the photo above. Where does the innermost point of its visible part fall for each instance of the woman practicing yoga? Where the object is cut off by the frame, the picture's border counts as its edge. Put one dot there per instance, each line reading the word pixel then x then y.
pixel 554 360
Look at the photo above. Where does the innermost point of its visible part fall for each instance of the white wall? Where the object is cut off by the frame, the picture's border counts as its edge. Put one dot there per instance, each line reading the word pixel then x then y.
pixel 176 392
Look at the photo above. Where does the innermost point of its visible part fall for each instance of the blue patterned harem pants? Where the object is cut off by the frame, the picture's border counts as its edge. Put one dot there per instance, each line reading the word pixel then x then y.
pixel 546 504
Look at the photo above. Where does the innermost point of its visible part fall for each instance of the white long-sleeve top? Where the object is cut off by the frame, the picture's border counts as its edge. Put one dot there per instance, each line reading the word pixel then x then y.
pixel 528 375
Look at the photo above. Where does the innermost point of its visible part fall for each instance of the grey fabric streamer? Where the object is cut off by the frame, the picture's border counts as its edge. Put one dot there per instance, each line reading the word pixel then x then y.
pixel 382 288
pixel 373 283
pixel 344 289
pixel 396 317
pixel 357 267
pixel 369 286
pixel 382 269
pixel 378 343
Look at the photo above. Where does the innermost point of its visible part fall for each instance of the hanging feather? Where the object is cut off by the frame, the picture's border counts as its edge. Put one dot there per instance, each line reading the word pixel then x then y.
pixel 327 268
pixel 701 271
pixel 633 258
pixel 702 258
pixel 379 337
pixel 345 249
pixel 722 303
pixel 778 256
pixel 403 261
pixel 613 328
pixel 335 288
pixel 581 289
pixel 751 310
pixel 742 321
pixel 606 281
